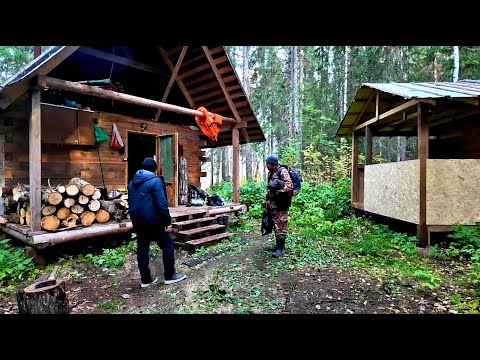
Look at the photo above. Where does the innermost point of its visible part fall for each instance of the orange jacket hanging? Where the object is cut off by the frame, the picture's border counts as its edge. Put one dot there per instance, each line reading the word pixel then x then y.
pixel 209 124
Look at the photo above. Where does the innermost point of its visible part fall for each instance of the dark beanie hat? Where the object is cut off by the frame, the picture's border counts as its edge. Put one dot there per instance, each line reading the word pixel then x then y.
pixel 272 159
pixel 149 164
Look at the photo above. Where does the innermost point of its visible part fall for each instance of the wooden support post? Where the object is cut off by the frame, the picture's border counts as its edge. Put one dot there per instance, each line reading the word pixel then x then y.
pixel 354 175
pixel 368 145
pixel 422 229
pixel 35 159
pixel 236 166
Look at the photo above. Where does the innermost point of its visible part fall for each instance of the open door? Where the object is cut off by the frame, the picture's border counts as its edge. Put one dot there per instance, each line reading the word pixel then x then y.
pixel 168 165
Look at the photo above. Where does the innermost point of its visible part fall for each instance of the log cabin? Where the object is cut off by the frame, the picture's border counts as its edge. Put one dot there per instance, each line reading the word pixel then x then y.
pixel 437 187
pixel 150 94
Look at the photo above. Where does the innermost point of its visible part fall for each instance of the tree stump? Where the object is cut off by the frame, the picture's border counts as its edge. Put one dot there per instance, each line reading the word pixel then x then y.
pixel 40 299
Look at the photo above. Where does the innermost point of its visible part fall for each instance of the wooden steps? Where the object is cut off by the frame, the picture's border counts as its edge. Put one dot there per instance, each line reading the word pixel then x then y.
pixel 206 241
pixel 192 233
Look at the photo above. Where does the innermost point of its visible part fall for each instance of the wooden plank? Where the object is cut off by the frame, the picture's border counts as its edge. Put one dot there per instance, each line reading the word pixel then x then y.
pixel 422 229
pixel 180 224
pixel 206 86
pixel 35 171
pixel 200 68
pixel 200 230
pixel 389 113
pixel 207 241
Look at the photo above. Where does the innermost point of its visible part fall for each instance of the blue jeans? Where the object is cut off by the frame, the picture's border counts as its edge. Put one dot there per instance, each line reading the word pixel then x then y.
pixel 164 241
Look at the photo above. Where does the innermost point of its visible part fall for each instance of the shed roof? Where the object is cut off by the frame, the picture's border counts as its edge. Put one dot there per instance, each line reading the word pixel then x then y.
pixel 145 71
pixel 450 98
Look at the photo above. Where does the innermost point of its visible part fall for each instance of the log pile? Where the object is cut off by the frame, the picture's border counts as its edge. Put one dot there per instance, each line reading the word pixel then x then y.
pixel 65 206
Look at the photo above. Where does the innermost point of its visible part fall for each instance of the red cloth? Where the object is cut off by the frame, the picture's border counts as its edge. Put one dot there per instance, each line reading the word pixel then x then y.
pixel 116 143
pixel 209 124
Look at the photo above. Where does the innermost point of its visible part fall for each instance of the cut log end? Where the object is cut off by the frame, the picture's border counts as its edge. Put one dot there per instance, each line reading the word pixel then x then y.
pixel 50 222
pixel 87 218
pixel 102 216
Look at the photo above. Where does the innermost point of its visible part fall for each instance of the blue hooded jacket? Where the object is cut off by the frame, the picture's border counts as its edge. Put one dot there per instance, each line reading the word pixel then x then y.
pixel 147 200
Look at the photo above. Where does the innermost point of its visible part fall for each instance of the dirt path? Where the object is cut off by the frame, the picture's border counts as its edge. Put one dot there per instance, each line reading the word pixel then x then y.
pixel 243 279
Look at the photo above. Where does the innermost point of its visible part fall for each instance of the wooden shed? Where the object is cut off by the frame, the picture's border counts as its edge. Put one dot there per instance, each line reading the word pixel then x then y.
pixel 151 94
pixel 438 188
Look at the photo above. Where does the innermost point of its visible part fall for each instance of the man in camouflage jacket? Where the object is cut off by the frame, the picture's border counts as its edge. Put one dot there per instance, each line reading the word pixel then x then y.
pixel 278 201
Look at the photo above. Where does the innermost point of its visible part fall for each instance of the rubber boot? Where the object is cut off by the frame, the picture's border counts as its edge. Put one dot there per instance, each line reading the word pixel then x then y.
pixel 280 247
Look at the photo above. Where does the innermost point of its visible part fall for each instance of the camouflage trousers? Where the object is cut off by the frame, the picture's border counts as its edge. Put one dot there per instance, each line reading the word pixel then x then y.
pixel 280 221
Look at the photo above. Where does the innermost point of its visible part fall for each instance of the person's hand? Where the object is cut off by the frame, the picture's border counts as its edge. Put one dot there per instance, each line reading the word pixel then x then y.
pixel 168 228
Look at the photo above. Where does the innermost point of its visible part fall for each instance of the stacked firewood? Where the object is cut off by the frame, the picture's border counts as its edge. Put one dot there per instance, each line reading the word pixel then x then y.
pixel 66 206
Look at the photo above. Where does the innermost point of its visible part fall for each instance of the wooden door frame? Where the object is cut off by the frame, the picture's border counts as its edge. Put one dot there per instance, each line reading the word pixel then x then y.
pixel 175 145
pixel 157 155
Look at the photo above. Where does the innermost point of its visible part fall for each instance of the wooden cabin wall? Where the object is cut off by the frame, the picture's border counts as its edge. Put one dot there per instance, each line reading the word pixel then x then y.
pixel 62 162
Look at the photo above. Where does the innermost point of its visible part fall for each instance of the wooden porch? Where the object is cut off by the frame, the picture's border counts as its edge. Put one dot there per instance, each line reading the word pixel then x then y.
pixel 194 227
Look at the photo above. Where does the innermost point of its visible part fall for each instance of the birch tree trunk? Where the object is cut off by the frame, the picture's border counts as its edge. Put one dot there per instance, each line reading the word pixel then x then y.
pixel 456 63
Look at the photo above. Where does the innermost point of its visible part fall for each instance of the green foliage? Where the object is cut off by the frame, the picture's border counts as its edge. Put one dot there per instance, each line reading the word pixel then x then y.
pixel 252 193
pixel 12 59
pixel 427 279
pixel 111 258
pixel 224 189
pixel 466 243
pixel 14 265
pixel 110 305
pixel 316 204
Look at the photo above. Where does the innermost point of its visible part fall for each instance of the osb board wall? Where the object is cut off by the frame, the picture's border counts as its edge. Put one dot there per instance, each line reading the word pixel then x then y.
pixel 452 191
pixel 392 190
pixel 61 163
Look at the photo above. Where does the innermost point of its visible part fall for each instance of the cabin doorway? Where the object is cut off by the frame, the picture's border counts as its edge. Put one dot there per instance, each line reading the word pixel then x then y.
pixel 164 149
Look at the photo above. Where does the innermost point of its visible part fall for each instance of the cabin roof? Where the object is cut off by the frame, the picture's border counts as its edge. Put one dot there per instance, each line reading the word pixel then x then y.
pixel 145 71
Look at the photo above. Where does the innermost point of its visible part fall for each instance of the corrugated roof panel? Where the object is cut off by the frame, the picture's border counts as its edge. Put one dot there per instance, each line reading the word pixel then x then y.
pixel 429 90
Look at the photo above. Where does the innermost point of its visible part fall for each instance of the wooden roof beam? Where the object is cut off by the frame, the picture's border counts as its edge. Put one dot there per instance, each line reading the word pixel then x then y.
pixel 389 113
pixel 361 113
pixel 172 79
pixel 179 81
pixel 225 91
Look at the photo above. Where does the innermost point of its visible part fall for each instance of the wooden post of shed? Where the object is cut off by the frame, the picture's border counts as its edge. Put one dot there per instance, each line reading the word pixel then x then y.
pixel 35 160
pixel 354 168
pixel 368 145
pixel 422 229
pixel 236 172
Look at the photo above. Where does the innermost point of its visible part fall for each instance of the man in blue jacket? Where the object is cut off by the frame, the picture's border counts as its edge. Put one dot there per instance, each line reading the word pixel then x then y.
pixel 148 208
